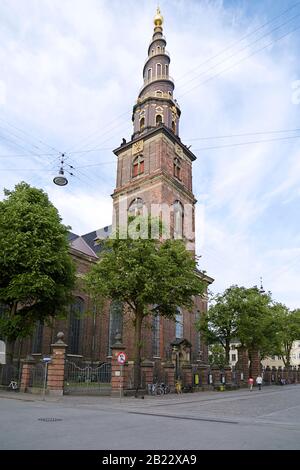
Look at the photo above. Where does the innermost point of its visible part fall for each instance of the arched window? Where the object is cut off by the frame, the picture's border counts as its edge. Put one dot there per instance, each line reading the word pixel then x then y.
pixel 152 51
pixel 75 320
pixel 174 127
pixel 2 352
pixel 158 93
pixel 198 336
pixel 158 119
pixel 138 166
pixel 177 168
pixel 155 335
pixel 158 70
pixel 178 220
pixel 115 322
pixel 158 49
pixel 179 324
pixel 149 74
pixel 37 340
pixel 167 69
pixel 142 124
pixel 136 207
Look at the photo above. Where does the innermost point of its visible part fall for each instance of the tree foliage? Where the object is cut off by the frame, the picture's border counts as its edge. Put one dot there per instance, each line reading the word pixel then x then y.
pixel 288 331
pixel 243 314
pixel 149 276
pixel 36 270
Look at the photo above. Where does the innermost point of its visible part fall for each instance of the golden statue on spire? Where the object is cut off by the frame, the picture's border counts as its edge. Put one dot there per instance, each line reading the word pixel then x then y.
pixel 158 19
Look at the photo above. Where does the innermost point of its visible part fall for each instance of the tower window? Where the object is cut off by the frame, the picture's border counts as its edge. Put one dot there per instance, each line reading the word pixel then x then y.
pixel 142 124
pixel 136 207
pixel 167 70
pixel 178 220
pixel 138 166
pixel 158 70
pixel 158 49
pixel 155 335
pixel 158 119
pixel 75 320
pixel 149 74
pixel 177 168
pixel 179 324
pixel 115 322
pixel 173 126
pixel 158 93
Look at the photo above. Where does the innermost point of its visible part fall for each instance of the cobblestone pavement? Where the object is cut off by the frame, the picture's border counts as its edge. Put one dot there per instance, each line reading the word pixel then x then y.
pixel 266 419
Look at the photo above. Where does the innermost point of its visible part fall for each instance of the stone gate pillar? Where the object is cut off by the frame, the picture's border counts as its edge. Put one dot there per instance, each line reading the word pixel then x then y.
pixel 56 368
pixel 255 363
pixel 216 373
pixel 203 371
pixel 118 374
pixel 147 373
pixel 267 376
pixel 243 364
pixel 169 373
pixel 27 365
pixel 228 376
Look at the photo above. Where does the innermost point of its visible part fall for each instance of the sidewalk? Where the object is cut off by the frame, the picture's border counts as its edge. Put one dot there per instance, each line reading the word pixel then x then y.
pixel 148 401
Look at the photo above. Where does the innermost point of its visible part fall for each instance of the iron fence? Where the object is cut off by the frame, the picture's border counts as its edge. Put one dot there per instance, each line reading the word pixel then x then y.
pixel 87 379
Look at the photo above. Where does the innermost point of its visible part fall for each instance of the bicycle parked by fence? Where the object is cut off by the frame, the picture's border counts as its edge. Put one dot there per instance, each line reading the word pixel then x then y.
pixel 13 385
pixel 158 389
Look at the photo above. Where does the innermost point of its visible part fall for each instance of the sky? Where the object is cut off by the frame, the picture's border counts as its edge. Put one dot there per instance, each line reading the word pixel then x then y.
pixel 70 73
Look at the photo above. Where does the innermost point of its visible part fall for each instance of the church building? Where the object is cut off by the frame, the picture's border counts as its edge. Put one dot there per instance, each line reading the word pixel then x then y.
pixel 154 176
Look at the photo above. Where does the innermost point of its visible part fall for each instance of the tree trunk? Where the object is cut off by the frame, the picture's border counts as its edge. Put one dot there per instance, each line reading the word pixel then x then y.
pixel 227 352
pixel 137 348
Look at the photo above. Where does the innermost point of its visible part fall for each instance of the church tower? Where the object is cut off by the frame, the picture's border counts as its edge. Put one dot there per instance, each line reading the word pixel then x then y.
pixel 154 177
pixel 155 167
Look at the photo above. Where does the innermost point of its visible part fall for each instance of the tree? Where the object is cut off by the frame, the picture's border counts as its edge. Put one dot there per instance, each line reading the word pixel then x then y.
pixel 149 276
pixel 243 314
pixel 36 270
pixel 256 328
pixel 220 323
pixel 288 331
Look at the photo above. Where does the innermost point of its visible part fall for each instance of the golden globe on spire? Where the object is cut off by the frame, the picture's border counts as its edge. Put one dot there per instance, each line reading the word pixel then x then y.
pixel 158 19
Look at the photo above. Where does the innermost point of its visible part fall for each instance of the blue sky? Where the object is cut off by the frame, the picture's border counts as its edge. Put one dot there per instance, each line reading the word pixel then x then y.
pixel 70 74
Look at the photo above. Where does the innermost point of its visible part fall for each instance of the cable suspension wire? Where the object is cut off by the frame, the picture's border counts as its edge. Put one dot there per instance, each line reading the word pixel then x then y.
pixel 220 53
pixel 237 52
pixel 201 83
pixel 238 41
pixel 239 61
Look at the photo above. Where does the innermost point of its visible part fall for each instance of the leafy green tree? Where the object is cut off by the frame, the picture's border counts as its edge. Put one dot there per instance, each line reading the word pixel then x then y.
pixel 288 331
pixel 148 275
pixel 216 356
pixel 220 323
pixel 36 270
pixel 256 328
pixel 243 314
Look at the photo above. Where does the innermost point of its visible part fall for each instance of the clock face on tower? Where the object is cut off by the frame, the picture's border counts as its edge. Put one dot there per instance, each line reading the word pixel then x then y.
pixel 137 147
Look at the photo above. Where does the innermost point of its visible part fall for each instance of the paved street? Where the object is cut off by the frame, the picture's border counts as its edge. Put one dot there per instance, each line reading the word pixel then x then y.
pixel 266 419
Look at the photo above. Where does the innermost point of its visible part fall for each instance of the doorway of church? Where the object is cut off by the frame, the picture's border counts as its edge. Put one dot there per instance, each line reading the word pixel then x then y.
pixel 86 379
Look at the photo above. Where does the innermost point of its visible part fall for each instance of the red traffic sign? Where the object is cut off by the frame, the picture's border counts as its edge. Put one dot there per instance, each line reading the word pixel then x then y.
pixel 121 358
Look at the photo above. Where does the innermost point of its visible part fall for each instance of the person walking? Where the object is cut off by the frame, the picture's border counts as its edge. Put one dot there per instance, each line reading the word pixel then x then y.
pixel 259 381
pixel 250 383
